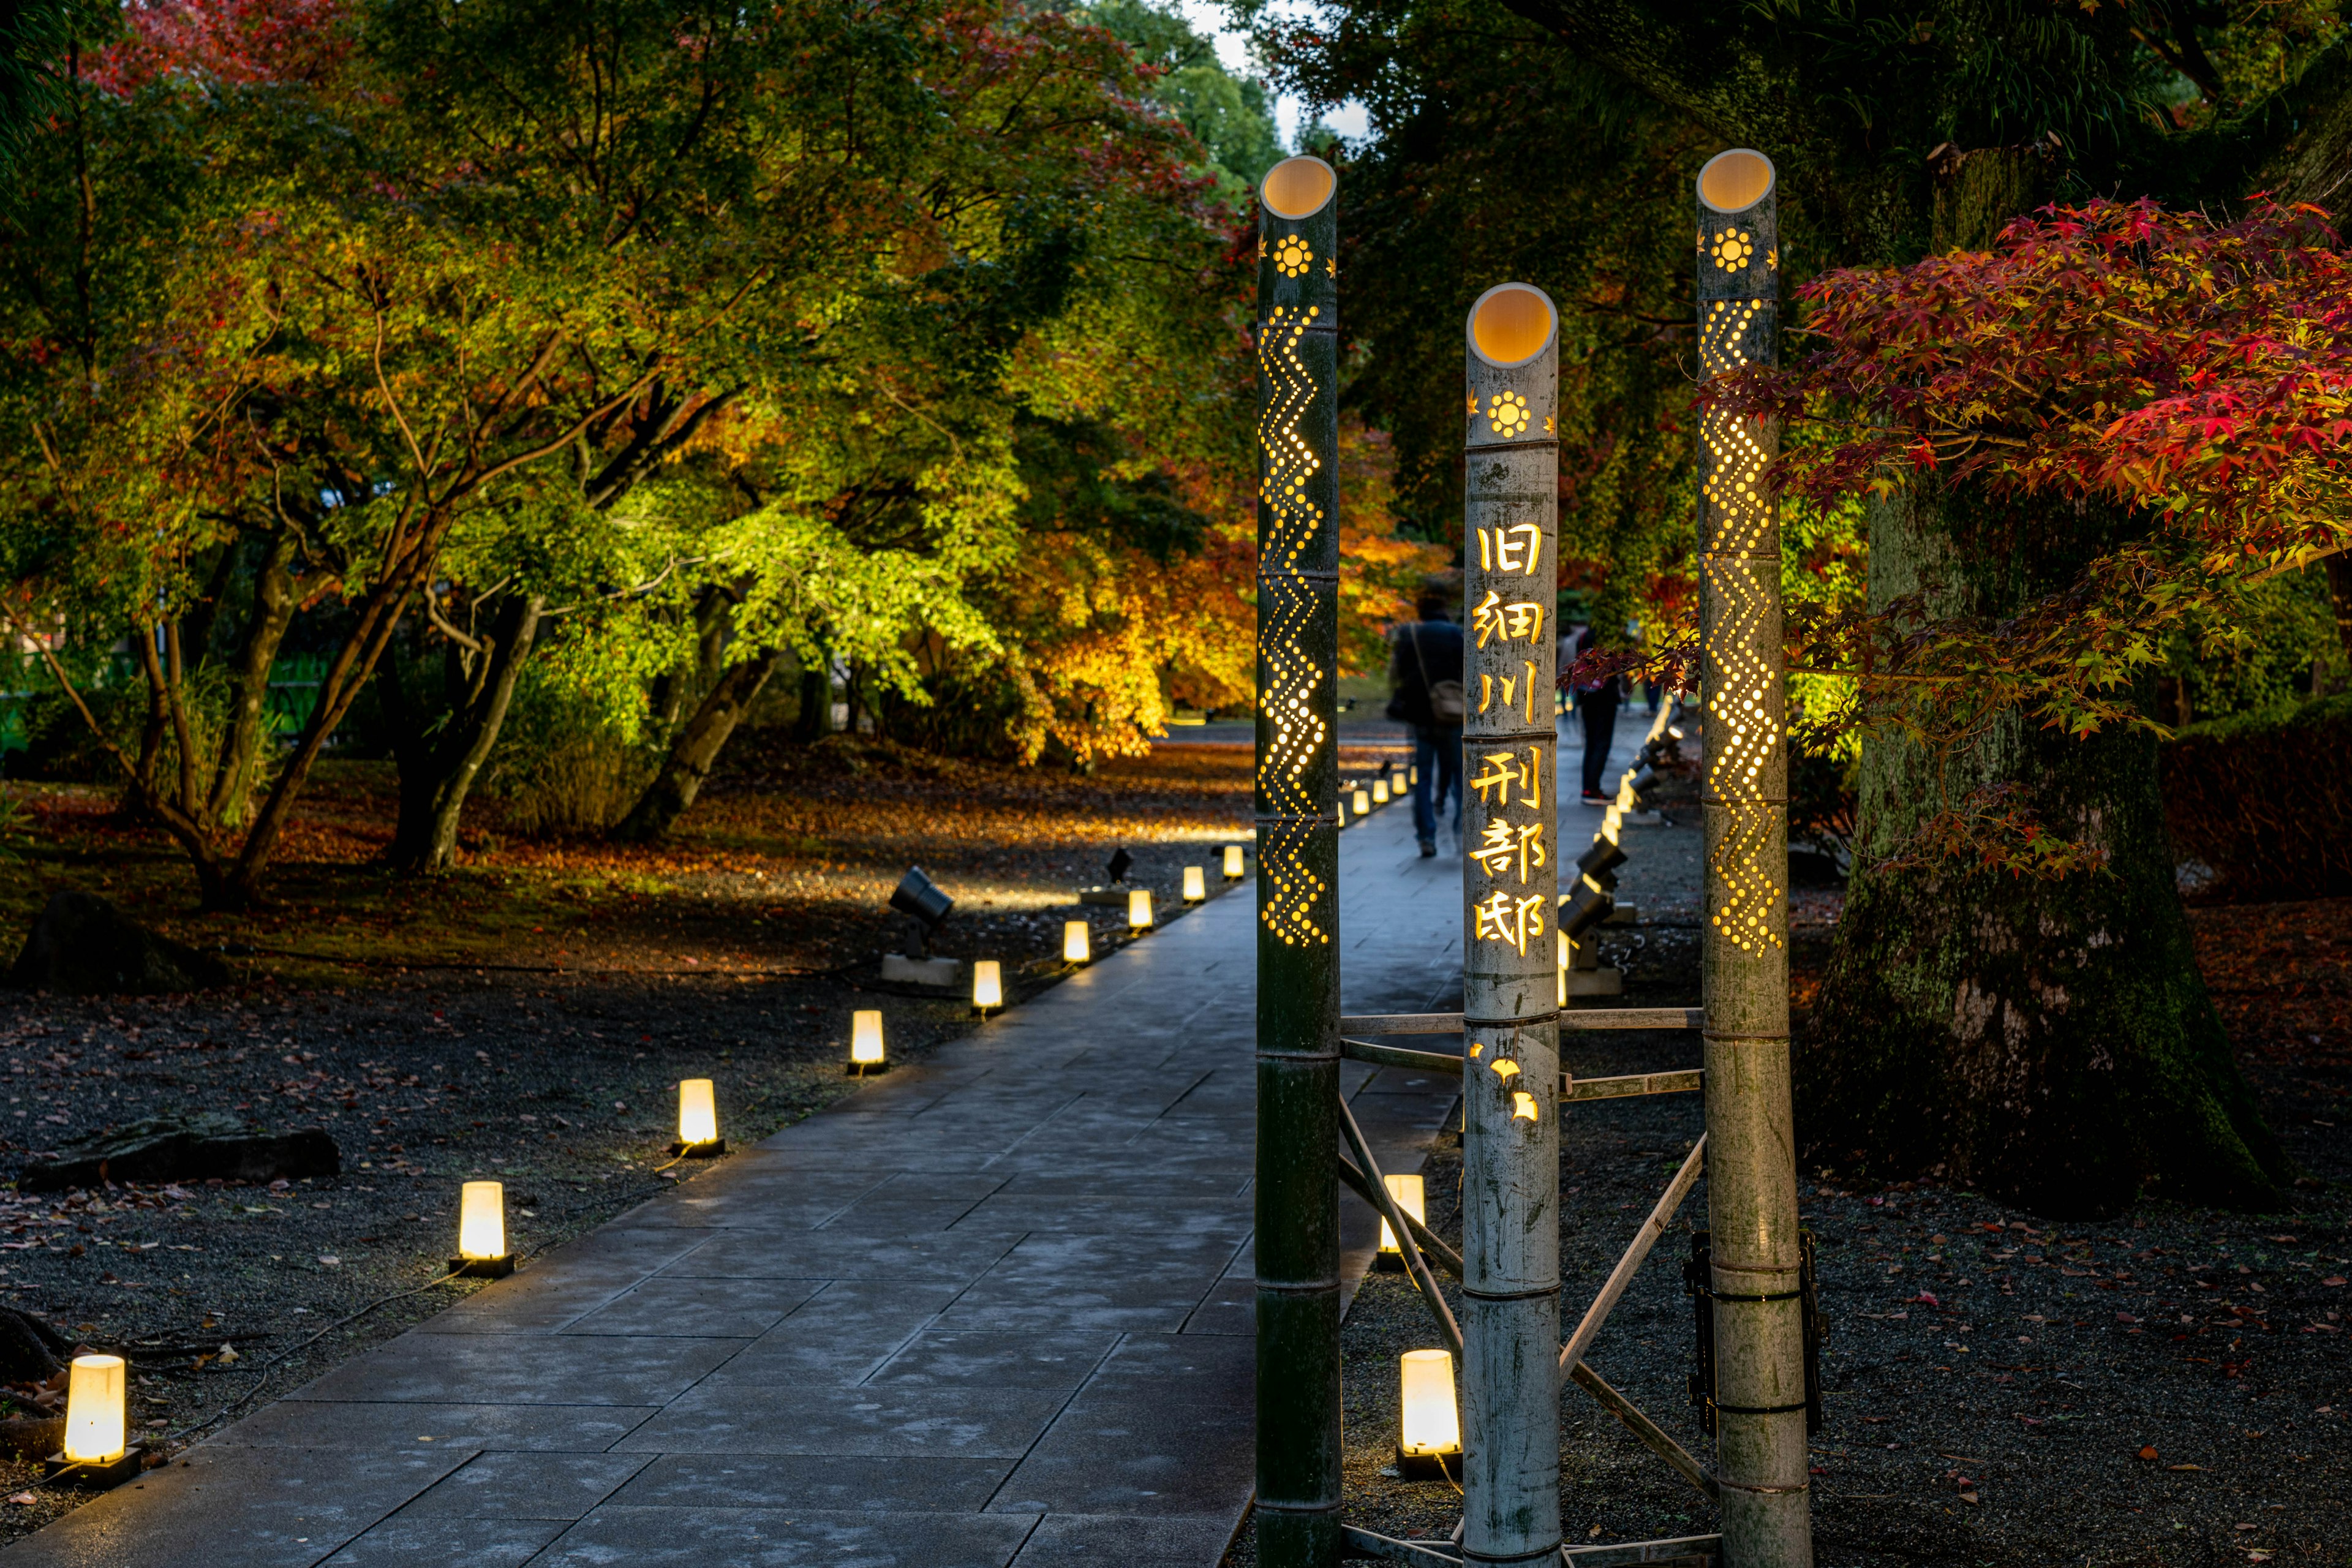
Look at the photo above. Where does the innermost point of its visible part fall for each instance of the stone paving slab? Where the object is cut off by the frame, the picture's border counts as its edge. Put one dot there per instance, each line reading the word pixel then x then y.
pixel 992 1308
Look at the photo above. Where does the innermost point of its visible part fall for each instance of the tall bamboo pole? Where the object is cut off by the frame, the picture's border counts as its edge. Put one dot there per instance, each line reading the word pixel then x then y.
pixel 1510 881
pixel 1298 1443
pixel 1759 1349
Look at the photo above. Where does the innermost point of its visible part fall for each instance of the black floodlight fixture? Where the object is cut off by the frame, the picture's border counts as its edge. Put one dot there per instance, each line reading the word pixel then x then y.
pixel 1601 859
pixel 921 900
pixel 1587 905
pixel 1119 862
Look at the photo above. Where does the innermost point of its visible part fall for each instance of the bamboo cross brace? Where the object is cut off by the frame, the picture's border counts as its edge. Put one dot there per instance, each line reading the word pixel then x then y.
pixel 1631 1264
pixel 1377 1190
pixel 1572 1018
pixel 1432 1245
pixel 1652 1436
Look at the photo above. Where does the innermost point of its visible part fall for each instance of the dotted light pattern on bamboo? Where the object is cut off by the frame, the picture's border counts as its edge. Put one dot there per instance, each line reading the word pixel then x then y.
pixel 1507 414
pixel 1743 721
pixel 1297 899
pixel 1299 903
pixel 1732 249
pixel 1752 896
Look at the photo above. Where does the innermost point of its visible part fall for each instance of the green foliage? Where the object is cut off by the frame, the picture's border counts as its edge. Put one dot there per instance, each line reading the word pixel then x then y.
pixel 2277 645
pixel 1231 117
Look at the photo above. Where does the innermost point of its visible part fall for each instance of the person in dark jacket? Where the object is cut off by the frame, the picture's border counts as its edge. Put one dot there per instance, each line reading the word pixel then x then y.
pixel 1596 705
pixel 1425 674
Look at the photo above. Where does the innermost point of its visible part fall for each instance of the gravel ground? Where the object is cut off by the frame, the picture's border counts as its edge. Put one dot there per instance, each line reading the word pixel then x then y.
pixel 2171 1387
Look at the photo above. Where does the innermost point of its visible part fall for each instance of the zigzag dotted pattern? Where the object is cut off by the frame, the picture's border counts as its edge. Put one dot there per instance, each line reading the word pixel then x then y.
pixel 1750 895
pixel 1734 457
pixel 1736 695
pixel 1298 908
pixel 1285 610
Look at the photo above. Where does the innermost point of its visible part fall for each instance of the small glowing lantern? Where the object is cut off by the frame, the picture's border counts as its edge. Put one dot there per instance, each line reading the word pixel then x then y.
pixel 1076 947
pixel 96 1426
pixel 865 1052
pixel 987 986
pixel 1410 1195
pixel 1381 792
pixel 1413 776
pixel 1196 884
pixel 1340 805
pixel 698 1120
pixel 1561 944
pixel 1138 909
pixel 482 1232
pixel 1233 861
pixel 1362 801
pixel 1429 1430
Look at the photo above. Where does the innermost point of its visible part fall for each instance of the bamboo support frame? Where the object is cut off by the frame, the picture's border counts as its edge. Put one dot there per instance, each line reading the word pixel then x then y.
pixel 1297 1230
pixel 1398 1224
pixel 1743 946
pixel 1629 1264
pixel 1580 1018
pixel 1652 1435
pixel 1510 1156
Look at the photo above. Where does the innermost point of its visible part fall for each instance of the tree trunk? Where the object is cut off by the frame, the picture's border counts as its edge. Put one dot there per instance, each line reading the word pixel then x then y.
pixel 713 620
pixel 2049 1042
pixel 815 716
pixel 2339 592
pixel 273 612
pixel 697 747
pixel 436 775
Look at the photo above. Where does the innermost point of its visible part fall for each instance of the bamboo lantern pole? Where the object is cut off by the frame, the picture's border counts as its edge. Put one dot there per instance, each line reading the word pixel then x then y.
pixel 1510 879
pixel 1759 1349
pixel 1298 1442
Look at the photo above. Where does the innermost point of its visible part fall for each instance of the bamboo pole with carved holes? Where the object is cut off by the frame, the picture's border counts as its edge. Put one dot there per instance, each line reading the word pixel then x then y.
pixel 1297 1237
pixel 1511 1081
pixel 1759 1352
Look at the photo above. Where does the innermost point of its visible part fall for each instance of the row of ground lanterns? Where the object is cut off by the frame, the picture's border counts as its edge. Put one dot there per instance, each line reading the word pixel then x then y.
pixel 96 1450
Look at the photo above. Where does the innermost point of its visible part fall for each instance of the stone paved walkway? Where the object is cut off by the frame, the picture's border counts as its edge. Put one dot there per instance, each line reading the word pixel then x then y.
pixel 992 1310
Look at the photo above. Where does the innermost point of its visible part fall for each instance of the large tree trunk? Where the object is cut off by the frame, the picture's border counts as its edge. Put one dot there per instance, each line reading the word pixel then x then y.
pixel 438 768
pixel 2047 1041
pixel 695 749
pixel 2339 593
pixel 264 631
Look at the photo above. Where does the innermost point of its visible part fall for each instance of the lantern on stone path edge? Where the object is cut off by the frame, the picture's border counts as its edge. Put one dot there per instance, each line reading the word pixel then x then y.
pixel 1139 910
pixel 1077 944
pixel 1362 801
pixel 1233 862
pixel 866 1053
pixel 698 1120
pixel 1429 1426
pixel 987 986
pixel 482 1232
pixel 1196 884
pixel 1381 790
pixel 96 1451
pixel 1411 1195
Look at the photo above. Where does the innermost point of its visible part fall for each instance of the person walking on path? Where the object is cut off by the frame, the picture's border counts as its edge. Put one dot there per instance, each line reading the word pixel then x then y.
pixel 1596 705
pixel 1425 677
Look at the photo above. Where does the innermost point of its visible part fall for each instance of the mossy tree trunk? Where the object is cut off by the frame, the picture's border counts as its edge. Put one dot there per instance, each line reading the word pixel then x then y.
pixel 2047 1041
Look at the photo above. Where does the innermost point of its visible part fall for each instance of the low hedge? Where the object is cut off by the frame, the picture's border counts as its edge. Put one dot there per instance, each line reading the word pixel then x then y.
pixel 2265 800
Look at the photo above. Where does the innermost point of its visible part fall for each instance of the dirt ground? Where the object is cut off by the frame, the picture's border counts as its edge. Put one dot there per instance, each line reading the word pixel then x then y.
pixel 2169 1388
pixel 526 1019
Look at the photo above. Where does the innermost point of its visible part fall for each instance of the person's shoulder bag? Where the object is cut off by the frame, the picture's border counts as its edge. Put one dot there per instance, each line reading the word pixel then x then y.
pixel 1449 700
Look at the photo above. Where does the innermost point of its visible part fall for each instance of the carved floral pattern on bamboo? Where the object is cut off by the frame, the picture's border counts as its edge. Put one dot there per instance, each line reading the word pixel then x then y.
pixel 1292 257
pixel 1507 414
pixel 1731 250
